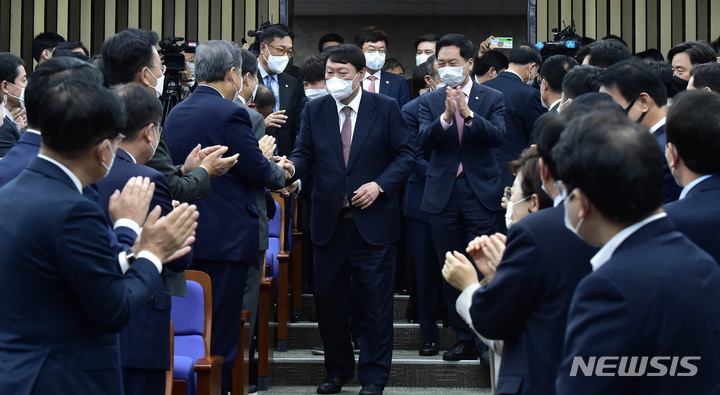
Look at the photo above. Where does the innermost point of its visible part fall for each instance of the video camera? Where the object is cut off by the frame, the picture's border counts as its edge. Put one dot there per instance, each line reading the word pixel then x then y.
pixel 255 46
pixel 174 61
pixel 565 42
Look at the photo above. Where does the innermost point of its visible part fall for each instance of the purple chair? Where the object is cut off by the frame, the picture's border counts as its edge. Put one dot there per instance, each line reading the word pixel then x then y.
pixel 195 370
pixel 274 246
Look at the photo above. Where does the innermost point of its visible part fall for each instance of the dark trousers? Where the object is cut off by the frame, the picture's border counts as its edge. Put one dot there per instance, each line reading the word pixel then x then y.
pixel 143 381
pixel 345 266
pixel 427 278
pixel 463 219
pixel 228 286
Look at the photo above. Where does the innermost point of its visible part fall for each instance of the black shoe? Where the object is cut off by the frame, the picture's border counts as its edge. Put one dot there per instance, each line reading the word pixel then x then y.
pixel 356 346
pixel 371 389
pixel 332 385
pixel 253 389
pixel 484 355
pixel 318 350
pixel 428 350
pixel 461 351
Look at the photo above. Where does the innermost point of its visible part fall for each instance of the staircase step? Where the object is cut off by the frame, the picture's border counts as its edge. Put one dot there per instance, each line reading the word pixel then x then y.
pixel 301 367
pixel 406 337
pixel 301 390
pixel 400 304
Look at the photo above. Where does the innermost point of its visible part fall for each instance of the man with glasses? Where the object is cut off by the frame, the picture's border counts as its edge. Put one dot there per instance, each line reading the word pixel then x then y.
pixel 276 50
pixel 373 43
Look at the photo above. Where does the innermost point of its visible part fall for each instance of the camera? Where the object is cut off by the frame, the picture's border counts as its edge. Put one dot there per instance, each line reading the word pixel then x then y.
pixel 174 61
pixel 565 42
pixel 255 46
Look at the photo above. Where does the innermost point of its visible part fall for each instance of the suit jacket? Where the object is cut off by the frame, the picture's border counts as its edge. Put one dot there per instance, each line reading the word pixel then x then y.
pixel 184 187
pixel 228 225
pixel 381 151
pixel 475 151
pixel 18 158
pixel 522 108
pixel 656 296
pixel 670 187
pixel 63 296
pixel 415 188
pixel 291 100
pixel 528 299
pixel 9 135
pixel 698 215
pixel 394 86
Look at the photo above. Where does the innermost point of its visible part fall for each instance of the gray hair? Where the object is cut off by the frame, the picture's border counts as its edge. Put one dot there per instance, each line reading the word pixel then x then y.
pixel 215 58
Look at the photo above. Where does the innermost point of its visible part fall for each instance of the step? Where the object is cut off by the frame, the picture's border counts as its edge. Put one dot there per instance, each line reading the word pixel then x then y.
pixel 301 367
pixel 306 335
pixel 399 306
pixel 303 390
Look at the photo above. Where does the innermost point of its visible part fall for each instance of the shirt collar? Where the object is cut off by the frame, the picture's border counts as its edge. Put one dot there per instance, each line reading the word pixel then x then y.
pixel 263 72
pixel 658 125
pixel 376 74
pixel 354 104
pixel 9 115
pixel 555 103
pixel 35 131
pixel 690 186
pixel 558 199
pixel 242 99
pixel 510 71
pixel 67 171
pixel 467 88
pixel 607 251
pixel 132 158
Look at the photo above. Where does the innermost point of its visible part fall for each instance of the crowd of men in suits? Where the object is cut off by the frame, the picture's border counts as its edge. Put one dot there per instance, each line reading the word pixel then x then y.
pixel 605 247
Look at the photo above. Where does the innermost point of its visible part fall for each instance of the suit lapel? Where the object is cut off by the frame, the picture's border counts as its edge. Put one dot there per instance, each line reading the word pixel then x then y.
pixel 284 91
pixel 474 103
pixel 332 132
pixel 363 124
pixel 384 84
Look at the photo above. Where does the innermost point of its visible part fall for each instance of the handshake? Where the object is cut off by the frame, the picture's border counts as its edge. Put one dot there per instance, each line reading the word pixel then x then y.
pixel 267 146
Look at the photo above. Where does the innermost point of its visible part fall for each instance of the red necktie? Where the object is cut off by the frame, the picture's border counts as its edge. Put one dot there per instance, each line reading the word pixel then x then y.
pixel 372 79
pixel 346 137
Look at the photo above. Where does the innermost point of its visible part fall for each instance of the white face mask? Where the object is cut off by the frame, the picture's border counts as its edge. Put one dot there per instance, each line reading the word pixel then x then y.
pixel 159 83
pixel 420 59
pixel 237 91
pixel 568 224
pixel 112 160
pixel 315 93
pixel 452 76
pixel 436 87
pixel 157 142
pixel 509 212
pixel 276 64
pixel 191 66
pixel 374 60
pixel 339 88
pixel 20 98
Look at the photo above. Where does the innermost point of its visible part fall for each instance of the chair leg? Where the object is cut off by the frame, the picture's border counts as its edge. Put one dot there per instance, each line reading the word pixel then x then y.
pixel 241 375
pixel 283 280
pixel 266 285
pixel 297 275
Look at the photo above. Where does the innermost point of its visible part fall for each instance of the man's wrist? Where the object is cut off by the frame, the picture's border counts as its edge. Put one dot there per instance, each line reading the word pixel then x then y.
pixel 128 223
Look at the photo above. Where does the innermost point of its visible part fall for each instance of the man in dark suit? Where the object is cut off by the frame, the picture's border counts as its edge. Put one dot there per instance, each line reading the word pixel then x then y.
pixel 373 43
pixel 639 303
pixel 276 49
pixel 552 72
pixel 705 76
pixel 421 249
pixel 13 80
pixel 228 229
pixel 639 91
pixel 693 136
pixel 145 342
pixel 362 154
pixel 63 294
pixel 130 56
pixel 525 299
pixel 463 187
pixel 523 105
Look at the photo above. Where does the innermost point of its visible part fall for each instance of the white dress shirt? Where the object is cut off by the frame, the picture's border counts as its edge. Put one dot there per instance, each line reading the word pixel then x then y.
pixel 354 105
pixel 658 125
pixel 690 186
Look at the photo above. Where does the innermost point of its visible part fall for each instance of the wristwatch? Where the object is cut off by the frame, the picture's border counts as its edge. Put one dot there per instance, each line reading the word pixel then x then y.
pixel 129 256
pixel 470 117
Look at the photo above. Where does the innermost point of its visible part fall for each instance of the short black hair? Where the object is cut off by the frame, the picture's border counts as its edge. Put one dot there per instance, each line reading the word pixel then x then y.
pixel 494 59
pixel 665 73
pixel 79 115
pixel 347 54
pixel 70 54
pixel 605 53
pixel 431 38
pixel 270 33
pixel 330 37
pixel 716 45
pixel 249 63
pixel 264 98
pixel 706 75
pixel 371 34
pixel 650 54
pixel 391 63
pixel 580 80
pixel 43 41
pixel 418 81
pixel 141 109
pixel 589 102
pixel 693 126
pixel 9 63
pixel 616 38
pixel 614 162
pixel 527 166
pixel 554 69
pixel 697 51
pixel 56 70
pixel 525 54
pixel 631 78
pixel 124 54
pixel 467 49
pixel 312 68
pixel 72 45
pixel 431 66
pixel 547 131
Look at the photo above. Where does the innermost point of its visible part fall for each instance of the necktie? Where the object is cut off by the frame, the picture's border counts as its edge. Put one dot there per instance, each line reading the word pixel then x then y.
pixel 346 137
pixel 272 84
pixel 372 79
pixel 460 123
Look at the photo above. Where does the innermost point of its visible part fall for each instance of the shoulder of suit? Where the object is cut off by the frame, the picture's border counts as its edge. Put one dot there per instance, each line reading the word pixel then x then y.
pixel 393 77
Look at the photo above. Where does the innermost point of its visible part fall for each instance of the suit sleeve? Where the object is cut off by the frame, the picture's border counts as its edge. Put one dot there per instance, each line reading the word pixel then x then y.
pixel 430 129
pixel 404 95
pixel 184 188
pixel 597 325
pixel 533 110
pixel 252 165
pixel 396 173
pixel 490 127
pixel 303 156
pixel 8 138
pixel 500 309
pixel 106 295
pixel 413 124
pixel 162 198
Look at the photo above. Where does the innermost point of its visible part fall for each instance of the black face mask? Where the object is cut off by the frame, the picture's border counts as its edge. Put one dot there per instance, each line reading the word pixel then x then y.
pixel 626 110
pixel 678 84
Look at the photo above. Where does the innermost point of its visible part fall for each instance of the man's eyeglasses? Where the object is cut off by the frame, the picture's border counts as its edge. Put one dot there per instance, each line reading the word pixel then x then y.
pixel 282 51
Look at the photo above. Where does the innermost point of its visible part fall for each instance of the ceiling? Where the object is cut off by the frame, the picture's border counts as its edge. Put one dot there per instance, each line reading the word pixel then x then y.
pixel 410 7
